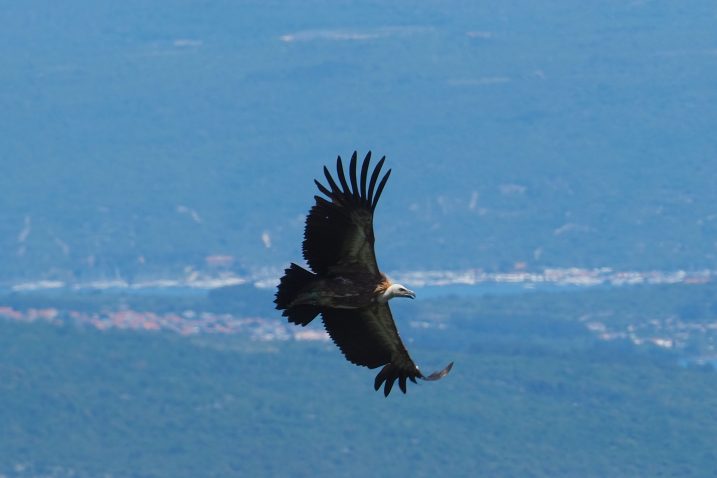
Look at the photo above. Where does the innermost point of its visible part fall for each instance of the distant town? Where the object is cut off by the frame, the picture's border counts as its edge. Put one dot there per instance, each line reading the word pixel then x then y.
pixel 187 323
pixel 665 333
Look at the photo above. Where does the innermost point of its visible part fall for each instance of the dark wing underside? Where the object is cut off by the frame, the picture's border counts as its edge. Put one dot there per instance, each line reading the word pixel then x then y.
pixel 339 231
pixel 369 337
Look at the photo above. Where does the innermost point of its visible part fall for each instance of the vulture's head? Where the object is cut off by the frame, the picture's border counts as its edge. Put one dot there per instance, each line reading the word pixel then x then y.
pixel 396 290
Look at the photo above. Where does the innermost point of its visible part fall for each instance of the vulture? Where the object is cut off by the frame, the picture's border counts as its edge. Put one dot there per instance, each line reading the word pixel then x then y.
pixel 345 284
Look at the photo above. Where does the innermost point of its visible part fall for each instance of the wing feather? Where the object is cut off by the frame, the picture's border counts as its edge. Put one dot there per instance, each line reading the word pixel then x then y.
pixel 339 229
pixel 369 337
pixel 322 188
pixel 335 191
pixel 364 173
pixel 380 190
pixel 358 337
pixel 352 174
pixel 374 177
pixel 342 177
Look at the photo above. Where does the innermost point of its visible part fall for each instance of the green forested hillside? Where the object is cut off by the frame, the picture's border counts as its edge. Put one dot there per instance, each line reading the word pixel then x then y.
pixel 85 403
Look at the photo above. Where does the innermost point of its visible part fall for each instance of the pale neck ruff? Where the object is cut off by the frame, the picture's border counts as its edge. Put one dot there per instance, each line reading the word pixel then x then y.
pixel 387 294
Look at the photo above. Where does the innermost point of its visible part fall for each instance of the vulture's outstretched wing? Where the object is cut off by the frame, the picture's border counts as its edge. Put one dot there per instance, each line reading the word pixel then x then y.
pixel 369 337
pixel 339 231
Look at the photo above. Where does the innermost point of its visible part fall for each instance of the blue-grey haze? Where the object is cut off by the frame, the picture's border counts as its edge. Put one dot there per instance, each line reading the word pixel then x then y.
pixel 137 138
pixel 140 137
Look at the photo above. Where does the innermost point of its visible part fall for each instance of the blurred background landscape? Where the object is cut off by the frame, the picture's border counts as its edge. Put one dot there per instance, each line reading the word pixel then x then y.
pixel 552 201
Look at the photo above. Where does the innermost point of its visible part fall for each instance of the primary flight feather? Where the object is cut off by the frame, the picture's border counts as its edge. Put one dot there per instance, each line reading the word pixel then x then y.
pixel 345 284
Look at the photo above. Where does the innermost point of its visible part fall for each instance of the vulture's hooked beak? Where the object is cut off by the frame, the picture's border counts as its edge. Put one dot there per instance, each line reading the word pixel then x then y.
pixel 410 294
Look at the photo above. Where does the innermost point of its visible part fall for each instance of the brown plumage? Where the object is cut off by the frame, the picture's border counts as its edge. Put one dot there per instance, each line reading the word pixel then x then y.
pixel 345 284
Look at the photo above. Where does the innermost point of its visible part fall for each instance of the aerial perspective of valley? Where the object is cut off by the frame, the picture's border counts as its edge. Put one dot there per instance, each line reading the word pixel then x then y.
pixel 552 203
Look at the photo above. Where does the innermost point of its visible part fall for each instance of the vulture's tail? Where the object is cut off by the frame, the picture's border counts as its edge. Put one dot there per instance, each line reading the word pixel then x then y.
pixel 295 279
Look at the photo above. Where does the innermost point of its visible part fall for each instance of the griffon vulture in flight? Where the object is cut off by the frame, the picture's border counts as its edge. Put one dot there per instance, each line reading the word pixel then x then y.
pixel 345 284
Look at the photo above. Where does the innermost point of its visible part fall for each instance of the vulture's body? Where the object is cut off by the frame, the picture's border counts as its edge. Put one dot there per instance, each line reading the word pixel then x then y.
pixel 345 284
